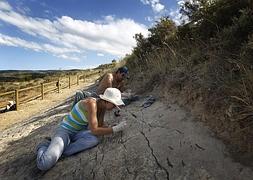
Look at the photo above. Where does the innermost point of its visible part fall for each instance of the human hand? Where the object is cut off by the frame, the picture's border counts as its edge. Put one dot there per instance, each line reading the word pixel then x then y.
pixel 122 125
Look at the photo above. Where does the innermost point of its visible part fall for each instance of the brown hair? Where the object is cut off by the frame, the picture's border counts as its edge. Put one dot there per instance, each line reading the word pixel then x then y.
pixel 100 109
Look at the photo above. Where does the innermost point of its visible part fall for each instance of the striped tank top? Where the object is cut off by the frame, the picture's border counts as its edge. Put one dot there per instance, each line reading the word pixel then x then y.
pixel 76 120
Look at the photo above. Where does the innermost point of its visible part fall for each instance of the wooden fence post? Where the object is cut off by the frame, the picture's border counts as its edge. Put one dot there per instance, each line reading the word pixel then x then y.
pixel 77 79
pixel 16 99
pixel 42 91
pixel 69 82
pixel 58 83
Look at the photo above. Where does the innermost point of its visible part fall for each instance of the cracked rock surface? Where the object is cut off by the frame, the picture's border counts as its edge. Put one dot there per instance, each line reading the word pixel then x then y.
pixel 160 142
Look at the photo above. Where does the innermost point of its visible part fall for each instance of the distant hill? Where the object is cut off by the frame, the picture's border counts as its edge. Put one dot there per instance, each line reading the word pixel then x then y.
pixel 15 79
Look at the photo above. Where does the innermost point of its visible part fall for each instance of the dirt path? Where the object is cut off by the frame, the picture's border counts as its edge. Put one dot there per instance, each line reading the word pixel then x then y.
pixel 161 142
pixel 37 106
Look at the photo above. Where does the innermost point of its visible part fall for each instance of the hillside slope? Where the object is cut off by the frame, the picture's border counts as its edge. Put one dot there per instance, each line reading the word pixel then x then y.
pixel 162 141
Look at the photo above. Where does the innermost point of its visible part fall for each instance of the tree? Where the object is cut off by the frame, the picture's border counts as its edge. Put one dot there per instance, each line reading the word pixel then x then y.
pixel 162 32
pixel 208 17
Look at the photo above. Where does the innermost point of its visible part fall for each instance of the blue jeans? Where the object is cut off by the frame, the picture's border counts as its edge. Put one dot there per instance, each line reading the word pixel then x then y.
pixel 64 142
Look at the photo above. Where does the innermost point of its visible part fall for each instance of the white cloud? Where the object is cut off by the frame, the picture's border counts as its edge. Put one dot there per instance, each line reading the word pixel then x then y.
pixel 180 2
pixel 115 37
pixel 148 18
pixel 175 14
pixel 5 6
pixel 111 35
pixel 21 8
pixel 109 18
pixel 146 2
pixel 100 54
pixel 56 51
pixel 64 56
pixel 157 7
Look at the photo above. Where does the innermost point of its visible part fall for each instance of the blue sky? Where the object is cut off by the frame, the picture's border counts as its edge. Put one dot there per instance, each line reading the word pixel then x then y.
pixel 74 34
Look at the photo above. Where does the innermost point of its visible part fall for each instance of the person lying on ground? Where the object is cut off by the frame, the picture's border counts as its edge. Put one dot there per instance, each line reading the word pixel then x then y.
pixel 115 80
pixel 11 106
pixel 78 130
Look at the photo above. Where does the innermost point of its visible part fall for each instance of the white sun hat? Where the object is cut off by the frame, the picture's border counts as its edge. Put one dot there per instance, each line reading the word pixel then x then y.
pixel 112 95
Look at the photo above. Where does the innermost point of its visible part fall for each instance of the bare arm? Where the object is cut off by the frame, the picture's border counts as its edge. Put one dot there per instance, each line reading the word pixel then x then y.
pixel 105 83
pixel 108 80
pixel 121 86
pixel 93 121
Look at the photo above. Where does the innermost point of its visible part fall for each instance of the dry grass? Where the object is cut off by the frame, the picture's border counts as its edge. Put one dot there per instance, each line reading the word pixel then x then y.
pixel 216 88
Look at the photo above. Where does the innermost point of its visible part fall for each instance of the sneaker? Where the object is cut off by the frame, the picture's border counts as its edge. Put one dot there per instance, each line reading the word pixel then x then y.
pixel 48 138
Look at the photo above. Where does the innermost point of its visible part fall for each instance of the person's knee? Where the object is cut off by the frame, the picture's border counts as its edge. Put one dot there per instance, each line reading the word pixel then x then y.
pixel 43 166
pixel 94 140
pixel 79 93
pixel 44 163
pixel 79 96
pixel 89 141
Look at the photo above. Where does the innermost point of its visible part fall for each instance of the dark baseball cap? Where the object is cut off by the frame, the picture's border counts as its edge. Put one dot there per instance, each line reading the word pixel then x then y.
pixel 123 69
